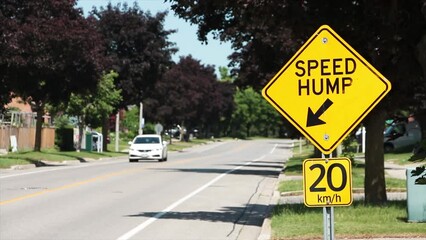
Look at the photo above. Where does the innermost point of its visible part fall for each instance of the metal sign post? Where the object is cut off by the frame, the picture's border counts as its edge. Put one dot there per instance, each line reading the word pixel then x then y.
pixel 327 182
pixel 328 218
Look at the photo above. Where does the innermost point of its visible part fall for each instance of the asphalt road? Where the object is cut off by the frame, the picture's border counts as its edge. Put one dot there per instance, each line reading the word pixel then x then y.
pixel 215 191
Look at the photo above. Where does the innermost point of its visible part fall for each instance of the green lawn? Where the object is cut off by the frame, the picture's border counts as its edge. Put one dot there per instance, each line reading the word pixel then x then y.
pixel 296 221
pixel 31 157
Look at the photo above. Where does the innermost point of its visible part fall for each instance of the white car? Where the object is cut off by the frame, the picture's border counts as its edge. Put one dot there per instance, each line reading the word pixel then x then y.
pixel 148 147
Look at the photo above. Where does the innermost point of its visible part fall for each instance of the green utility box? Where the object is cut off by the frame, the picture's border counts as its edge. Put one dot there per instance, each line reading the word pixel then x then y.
pixel 89 142
pixel 416 195
pixel 94 141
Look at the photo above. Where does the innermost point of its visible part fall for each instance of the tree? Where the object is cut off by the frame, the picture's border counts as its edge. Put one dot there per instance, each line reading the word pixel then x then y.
pixel 137 47
pixel 4 94
pixel 252 113
pixel 386 33
pixel 105 101
pixel 131 121
pixel 94 108
pixel 224 75
pixel 49 50
pixel 190 95
pixel 247 110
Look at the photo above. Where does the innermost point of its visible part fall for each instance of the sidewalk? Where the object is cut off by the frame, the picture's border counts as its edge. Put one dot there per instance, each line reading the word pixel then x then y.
pixel 398 171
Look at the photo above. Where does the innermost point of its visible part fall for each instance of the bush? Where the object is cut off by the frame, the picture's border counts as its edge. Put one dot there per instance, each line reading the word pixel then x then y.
pixel 64 139
pixel 349 147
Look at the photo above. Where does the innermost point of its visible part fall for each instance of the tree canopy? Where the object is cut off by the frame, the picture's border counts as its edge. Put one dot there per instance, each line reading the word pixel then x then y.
pixel 252 113
pixel 137 47
pixel 386 33
pixel 265 34
pixel 189 94
pixel 48 51
pixel 93 108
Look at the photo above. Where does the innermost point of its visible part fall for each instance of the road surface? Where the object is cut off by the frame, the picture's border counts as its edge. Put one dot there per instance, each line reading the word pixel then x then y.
pixel 215 191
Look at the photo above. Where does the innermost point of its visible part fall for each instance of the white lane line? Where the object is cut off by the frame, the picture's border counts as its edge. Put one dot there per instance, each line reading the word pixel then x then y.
pixel 273 149
pixel 157 216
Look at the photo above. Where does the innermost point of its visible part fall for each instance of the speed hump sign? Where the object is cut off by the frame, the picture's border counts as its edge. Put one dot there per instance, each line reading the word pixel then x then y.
pixel 319 89
pixel 327 182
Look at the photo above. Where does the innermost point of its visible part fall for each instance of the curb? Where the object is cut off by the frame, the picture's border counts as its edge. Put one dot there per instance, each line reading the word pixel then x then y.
pixel 57 164
pixel 23 167
pixel 265 232
pixel 45 163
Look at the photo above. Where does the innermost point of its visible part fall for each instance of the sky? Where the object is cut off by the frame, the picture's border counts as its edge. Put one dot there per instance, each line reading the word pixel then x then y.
pixel 214 53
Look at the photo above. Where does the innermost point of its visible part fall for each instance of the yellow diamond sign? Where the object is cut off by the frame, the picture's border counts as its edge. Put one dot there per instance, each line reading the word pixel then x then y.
pixel 326 89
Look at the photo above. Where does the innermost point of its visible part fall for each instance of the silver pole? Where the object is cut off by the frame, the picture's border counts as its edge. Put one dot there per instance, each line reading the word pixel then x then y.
pixel 328 218
pixel 117 130
pixel 363 139
pixel 140 118
pixel 331 222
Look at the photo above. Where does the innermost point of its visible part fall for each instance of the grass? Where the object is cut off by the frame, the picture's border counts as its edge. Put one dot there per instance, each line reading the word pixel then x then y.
pixel 401 158
pixel 296 221
pixel 122 145
pixel 179 146
pixel 294 164
pixel 31 157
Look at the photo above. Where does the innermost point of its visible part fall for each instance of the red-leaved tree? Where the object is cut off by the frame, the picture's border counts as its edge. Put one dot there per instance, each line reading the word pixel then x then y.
pixel 48 51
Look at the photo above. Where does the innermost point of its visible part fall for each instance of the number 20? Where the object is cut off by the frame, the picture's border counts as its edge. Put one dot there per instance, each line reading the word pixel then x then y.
pixel 314 187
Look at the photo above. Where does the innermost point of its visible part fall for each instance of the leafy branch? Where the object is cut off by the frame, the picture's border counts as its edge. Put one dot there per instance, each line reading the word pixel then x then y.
pixel 421 172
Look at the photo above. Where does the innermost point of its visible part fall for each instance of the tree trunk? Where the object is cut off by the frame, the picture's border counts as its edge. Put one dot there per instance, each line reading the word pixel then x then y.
pixel 248 128
pixel 374 183
pixel 80 133
pixel 317 153
pixel 38 107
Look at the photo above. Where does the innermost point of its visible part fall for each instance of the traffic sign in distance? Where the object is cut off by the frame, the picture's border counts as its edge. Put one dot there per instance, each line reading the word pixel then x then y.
pixel 326 89
pixel 327 182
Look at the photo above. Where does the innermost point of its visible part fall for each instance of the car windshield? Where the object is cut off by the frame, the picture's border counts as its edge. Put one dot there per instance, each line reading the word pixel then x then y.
pixel 396 129
pixel 147 140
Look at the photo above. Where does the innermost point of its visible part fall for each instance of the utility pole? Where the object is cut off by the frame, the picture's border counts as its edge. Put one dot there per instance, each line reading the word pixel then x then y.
pixel 141 120
pixel 117 130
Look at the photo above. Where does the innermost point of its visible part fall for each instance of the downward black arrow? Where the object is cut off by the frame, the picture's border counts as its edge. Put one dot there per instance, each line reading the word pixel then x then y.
pixel 313 118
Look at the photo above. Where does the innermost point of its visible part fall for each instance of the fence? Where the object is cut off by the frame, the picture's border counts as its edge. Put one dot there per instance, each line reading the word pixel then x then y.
pixel 22 126
pixel 26 137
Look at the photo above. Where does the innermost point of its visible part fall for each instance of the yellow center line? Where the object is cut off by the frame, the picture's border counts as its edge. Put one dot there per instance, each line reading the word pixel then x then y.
pixel 80 183
pixel 72 185
pixel 94 179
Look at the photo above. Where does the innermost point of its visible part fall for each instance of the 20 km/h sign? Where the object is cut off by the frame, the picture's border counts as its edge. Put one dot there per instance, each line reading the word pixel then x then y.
pixel 327 182
pixel 326 89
